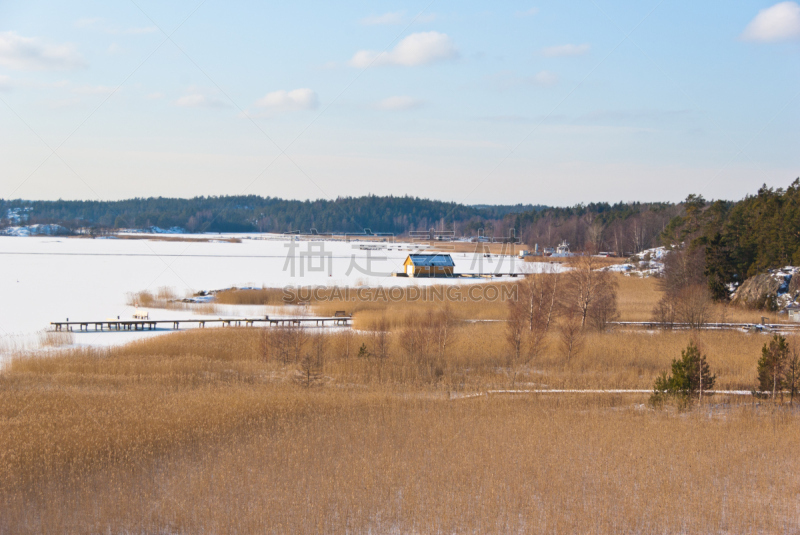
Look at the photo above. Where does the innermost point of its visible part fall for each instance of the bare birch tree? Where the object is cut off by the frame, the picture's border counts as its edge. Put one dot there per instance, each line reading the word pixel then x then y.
pixel 589 294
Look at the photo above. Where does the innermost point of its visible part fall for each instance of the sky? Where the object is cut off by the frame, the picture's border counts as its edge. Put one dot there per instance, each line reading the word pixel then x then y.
pixel 552 103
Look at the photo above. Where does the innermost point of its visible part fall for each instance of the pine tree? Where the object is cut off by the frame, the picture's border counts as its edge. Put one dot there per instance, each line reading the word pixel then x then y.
pixel 791 377
pixel 690 378
pixel 772 366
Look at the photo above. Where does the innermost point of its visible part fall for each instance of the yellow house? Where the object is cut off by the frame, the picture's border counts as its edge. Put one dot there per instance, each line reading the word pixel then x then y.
pixel 429 265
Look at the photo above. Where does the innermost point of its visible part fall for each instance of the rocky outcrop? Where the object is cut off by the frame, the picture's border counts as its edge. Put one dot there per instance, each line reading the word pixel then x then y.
pixel 773 290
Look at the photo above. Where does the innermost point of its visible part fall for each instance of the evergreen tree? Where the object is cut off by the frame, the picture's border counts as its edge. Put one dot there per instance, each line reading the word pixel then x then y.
pixel 791 377
pixel 772 366
pixel 690 378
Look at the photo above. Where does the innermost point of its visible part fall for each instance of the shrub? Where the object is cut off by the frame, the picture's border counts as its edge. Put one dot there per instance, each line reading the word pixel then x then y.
pixel 690 377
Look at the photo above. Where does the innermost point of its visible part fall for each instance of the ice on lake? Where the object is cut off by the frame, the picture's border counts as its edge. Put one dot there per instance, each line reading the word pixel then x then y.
pixel 44 279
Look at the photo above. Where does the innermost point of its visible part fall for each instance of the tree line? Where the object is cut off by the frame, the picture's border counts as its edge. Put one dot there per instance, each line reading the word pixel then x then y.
pixel 620 227
pixel 722 243
pixel 252 213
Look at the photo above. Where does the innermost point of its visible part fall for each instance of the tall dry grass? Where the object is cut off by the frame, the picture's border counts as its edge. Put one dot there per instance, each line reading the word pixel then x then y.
pixel 208 431
pixel 638 296
pixel 167 298
pixel 211 431
pixel 251 296
pixel 56 339
pixel 324 461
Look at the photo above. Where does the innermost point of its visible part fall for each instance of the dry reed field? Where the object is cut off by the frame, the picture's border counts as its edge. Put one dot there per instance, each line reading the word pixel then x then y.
pixel 210 431
pixel 395 426
pixel 329 463
pixel 636 299
pixel 152 237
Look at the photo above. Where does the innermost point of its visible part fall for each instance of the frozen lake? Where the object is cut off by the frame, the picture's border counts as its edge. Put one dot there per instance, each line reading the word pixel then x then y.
pixel 44 279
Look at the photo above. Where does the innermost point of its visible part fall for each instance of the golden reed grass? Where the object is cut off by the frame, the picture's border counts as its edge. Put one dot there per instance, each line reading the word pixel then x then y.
pixel 207 431
pixel 636 299
pixel 323 461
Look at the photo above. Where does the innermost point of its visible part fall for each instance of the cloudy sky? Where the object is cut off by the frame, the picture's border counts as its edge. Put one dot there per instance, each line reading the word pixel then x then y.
pixel 474 102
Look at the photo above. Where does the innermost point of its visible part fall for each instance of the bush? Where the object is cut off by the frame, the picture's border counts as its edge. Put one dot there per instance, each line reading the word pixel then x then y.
pixel 691 376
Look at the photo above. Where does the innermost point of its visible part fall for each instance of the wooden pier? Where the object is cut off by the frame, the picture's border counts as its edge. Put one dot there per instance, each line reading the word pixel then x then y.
pixel 151 325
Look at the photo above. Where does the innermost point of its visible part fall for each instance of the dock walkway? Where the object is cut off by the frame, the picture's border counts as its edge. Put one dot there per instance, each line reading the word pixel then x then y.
pixel 150 325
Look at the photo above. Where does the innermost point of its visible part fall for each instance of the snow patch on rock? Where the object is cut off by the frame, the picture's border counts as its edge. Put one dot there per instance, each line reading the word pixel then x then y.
pixel 35 230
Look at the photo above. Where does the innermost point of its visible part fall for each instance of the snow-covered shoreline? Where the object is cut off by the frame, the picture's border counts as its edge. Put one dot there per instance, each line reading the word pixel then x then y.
pixel 44 279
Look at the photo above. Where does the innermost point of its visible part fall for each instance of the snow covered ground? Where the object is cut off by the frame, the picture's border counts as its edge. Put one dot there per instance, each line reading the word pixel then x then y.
pixel 44 279
pixel 648 263
pixel 33 230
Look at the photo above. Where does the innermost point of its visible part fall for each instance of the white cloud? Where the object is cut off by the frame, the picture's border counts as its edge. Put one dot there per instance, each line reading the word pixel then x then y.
pixel 386 18
pixel 398 103
pixel 5 83
pixel 31 54
pixel 780 22
pixel 545 78
pixel 196 100
pixel 155 96
pixel 297 99
pixel 416 49
pixel 561 51
pixel 527 13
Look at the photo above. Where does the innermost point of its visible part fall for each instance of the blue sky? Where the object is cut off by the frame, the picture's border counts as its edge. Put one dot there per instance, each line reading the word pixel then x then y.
pixel 503 102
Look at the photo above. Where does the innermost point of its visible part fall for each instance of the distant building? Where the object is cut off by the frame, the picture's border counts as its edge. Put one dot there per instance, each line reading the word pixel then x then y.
pixel 429 265
pixel 794 312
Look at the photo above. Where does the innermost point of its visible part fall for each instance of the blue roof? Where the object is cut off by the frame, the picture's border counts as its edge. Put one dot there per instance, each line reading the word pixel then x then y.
pixel 431 260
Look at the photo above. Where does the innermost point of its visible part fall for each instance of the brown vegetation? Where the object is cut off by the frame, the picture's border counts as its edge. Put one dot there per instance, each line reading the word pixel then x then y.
pixel 211 431
pixel 153 237
pixel 284 429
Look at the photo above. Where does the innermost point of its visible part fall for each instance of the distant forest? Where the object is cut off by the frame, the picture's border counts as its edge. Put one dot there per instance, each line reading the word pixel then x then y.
pixel 251 213
pixel 621 227
pixel 728 241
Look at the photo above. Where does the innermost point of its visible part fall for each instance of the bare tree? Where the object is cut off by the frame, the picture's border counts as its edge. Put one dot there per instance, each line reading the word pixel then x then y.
pixel 538 294
pixel 682 268
pixel 594 235
pixel 589 294
pixel 571 335
pixel 664 312
pixel 693 306
pixel 516 330
pixel 604 310
pixel 530 317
